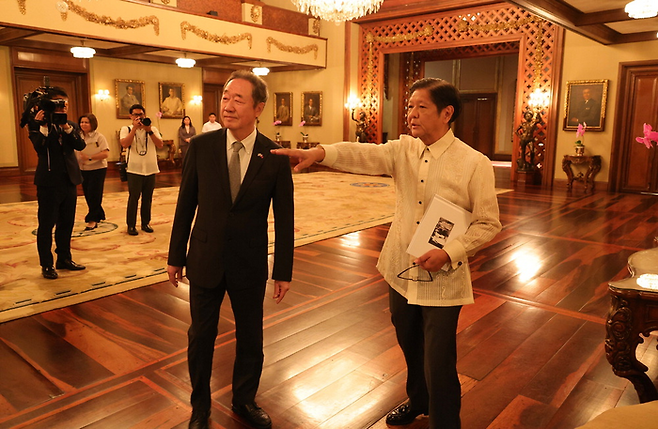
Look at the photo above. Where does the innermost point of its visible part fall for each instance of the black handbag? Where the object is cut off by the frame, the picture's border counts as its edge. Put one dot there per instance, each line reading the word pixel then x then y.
pixel 123 166
pixel 123 173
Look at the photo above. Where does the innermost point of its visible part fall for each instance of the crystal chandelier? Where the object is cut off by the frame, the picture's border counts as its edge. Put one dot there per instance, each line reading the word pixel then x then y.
pixel 639 9
pixel 338 10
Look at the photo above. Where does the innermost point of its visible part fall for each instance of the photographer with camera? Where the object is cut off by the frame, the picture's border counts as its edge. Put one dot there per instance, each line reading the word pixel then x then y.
pixel 55 140
pixel 141 140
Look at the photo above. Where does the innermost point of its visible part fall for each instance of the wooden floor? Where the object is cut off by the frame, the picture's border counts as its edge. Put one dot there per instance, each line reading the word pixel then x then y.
pixel 530 348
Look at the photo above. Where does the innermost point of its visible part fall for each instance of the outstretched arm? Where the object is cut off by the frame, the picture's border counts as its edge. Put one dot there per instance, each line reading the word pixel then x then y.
pixel 305 158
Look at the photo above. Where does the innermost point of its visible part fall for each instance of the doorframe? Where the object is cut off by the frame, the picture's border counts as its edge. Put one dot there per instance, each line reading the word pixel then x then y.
pixel 622 123
pixel 47 63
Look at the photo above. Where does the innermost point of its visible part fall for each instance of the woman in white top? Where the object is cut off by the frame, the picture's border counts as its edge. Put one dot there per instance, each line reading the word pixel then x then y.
pixel 93 165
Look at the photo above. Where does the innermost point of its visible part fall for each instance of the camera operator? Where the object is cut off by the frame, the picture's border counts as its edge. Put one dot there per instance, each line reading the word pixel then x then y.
pixel 141 140
pixel 55 140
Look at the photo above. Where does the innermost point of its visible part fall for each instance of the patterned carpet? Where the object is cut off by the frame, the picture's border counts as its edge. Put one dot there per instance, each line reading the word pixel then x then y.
pixel 327 204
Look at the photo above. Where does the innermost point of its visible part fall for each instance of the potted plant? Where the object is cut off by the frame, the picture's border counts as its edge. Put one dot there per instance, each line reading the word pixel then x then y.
pixel 580 135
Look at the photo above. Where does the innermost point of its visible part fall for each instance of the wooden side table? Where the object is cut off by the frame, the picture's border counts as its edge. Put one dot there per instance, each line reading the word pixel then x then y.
pixel 633 311
pixel 283 143
pixel 593 167
pixel 307 145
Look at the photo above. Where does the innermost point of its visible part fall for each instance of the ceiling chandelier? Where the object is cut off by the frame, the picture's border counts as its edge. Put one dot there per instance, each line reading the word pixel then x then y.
pixel 185 63
pixel 639 9
pixel 338 10
pixel 260 71
pixel 83 51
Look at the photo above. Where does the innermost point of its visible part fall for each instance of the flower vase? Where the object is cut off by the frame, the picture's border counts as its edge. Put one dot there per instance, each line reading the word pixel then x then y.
pixel 580 150
pixel 305 139
pixel 277 137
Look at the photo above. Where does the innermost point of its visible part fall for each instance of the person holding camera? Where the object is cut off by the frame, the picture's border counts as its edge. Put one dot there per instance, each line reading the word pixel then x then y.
pixel 55 139
pixel 93 164
pixel 141 140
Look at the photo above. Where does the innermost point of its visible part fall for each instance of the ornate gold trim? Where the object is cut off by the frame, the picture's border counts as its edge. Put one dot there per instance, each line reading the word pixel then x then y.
pixel 224 39
pixel 255 12
pixel 22 7
pixel 106 20
pixel 425 32
pixel 464 25
pixel 292 49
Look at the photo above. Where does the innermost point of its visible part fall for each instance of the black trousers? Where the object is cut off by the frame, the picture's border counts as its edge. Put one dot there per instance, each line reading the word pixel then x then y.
pixel 428 339
pixel 247 308
pixel 93 182
pixel 56 210
pixel 139 186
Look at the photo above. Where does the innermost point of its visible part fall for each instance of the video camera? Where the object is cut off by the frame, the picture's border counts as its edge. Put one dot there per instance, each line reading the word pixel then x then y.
pixel 39 99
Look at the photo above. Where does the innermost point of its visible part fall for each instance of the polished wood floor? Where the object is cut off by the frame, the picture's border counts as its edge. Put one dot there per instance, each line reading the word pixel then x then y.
pixel 530 348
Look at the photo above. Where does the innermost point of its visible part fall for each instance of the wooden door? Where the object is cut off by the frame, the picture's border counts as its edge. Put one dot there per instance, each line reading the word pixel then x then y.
pixel 212 97
pixel 29 80
pixel 476 125
pixel 635 168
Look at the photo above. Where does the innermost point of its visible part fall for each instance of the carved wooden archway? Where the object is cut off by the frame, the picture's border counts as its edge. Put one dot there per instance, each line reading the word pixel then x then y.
pixel 478 30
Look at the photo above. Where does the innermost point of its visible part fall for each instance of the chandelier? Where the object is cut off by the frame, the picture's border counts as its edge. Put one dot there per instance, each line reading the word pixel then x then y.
pixel 639 9
pixel 184 62
pixel 338 10
pixel 83 51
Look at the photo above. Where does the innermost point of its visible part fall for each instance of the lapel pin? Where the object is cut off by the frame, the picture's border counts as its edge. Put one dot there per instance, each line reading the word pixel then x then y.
pixel 260 155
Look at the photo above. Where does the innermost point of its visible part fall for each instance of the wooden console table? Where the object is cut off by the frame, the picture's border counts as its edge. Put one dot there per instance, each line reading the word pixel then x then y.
pixel 307 145
pixel 633 312
pixel 593 167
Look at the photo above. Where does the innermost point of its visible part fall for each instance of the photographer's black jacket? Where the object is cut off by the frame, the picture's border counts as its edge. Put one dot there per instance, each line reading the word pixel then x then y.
pixel 57 164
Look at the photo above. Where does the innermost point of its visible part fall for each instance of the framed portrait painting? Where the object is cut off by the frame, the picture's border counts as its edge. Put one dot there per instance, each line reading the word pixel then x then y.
pixel 171 100
pixel 585 104
pixel 127 93
pixel 283 108
pixel 312 108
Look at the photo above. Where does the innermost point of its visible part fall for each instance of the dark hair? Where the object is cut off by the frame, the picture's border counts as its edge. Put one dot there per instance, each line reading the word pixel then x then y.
pixel 93 121
pixel 443 94
pixel 259 93
pixel 182 122
pixel 130 85
pixel 54 91
pixel 136 106
pixel 212 114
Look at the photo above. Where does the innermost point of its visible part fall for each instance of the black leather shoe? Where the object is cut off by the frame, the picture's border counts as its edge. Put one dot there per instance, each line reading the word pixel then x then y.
pixel 147 228
pixel 199 420
pixel 49 273
pixel 254 415
pixel 403 415
pixel 132 230
pixel 69 265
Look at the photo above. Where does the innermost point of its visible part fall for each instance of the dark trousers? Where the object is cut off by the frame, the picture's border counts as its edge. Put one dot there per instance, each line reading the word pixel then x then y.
pixel 93 182
pixel 56 209
pixel 428 339
pixel 143 186
pixel 247 308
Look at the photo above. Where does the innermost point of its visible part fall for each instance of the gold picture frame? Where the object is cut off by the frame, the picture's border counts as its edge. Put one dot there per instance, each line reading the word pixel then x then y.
pixel 586 102
pixel 171 100
pixel 312 108
pixel 283 108
pixel 128 92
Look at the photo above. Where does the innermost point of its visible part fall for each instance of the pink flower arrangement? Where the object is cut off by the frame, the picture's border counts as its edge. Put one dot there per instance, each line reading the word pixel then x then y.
pixel 580 133
pixel 301 124
pixel 649 136
pixel 277 123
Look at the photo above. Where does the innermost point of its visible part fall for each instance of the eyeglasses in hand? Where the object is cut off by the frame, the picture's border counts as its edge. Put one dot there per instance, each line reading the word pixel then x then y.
pixel 420 276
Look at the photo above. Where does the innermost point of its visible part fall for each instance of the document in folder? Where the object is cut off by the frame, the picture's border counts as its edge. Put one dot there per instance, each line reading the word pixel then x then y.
pixel 442 222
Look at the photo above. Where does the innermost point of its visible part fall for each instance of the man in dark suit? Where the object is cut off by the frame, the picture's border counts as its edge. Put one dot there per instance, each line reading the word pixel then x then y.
pixel 55 140
pixel 586 111
pixel 228 243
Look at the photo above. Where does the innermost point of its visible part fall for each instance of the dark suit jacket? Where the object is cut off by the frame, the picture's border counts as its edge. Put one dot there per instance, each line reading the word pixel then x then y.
pixel 228 238
pixel 57 164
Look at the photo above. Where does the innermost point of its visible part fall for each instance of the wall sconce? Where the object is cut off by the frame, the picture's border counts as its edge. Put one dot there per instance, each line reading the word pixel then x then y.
pixel 352 104
pixel 103 94
pixel 197 99
pixel 539 99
